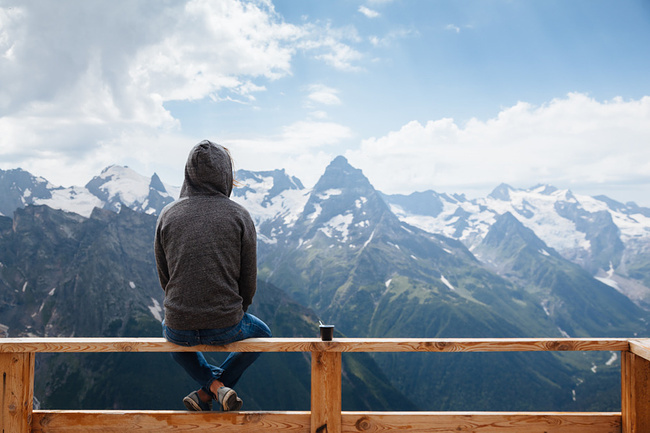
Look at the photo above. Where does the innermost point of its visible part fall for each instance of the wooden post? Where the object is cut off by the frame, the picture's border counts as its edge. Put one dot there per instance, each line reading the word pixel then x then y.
pixel 325 392
pixel 635 393
pixel 17 393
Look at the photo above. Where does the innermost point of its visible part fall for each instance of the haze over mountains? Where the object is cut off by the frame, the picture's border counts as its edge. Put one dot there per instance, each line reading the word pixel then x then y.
pixel 540 262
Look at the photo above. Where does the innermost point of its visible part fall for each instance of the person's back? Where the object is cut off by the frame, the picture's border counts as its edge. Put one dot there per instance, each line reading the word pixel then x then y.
pixel 205 246
pixel 210 252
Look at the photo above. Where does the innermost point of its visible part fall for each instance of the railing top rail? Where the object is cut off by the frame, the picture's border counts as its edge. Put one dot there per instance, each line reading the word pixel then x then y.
pixel 125 344
pixel 641 348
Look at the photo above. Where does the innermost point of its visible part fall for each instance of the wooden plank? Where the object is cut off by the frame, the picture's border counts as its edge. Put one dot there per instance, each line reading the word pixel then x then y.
pixel 325 392
pixel 627 408
pixel 481 422
pixel 9 345
pixel 298 422
pixel 641 348
pixel 17 393
pixel 635 393
pixel 164 421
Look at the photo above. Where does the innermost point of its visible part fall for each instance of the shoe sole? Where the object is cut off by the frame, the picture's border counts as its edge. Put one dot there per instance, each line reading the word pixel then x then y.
pixel 192 405
pixel 231 401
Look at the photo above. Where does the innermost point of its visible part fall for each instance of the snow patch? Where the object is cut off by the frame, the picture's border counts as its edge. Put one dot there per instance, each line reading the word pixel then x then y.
pixel 339 224
pixel 446 282
pixel 312 216
pixel 287 206
pixel 612 359
pixel 329 193
pixel 73 199
pixel 609 282
pixel 369 239
pixel 156 310
pixel 131 188
pixel 266 239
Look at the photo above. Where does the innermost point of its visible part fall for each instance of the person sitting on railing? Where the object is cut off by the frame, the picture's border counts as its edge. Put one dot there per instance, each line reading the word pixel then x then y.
pixel 205 248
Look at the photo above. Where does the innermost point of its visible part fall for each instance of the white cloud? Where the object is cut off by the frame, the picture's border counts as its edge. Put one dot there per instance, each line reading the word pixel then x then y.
pixel 332 45
pixel 570 142
pixel 88 75
pixel 323 95
pixel 368 12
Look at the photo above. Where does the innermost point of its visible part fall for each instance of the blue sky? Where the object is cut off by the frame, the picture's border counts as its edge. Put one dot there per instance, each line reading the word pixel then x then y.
pixel 454 96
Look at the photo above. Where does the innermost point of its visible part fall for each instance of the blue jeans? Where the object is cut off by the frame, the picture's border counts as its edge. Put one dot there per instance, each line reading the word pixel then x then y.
pixel 232 368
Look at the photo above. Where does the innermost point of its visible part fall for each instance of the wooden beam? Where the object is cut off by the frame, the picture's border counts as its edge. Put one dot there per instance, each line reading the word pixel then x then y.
pixel 82 345
pixel 298 422
pixel 482 422
pixel 17 393
pixel 325 392
pixel 635 393
pixel 168 421
pixel 641 348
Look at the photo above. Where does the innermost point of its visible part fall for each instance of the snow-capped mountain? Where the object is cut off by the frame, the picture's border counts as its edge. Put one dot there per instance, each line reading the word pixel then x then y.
pixel 611 240
pixel 115 187
pixel 274 199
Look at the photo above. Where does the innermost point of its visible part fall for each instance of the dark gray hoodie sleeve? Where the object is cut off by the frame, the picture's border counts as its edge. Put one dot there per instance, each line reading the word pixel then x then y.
pixel 248 270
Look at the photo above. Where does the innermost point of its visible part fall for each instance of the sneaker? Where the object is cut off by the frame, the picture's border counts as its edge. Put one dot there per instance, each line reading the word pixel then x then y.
pixel 194 403
pixel 227 398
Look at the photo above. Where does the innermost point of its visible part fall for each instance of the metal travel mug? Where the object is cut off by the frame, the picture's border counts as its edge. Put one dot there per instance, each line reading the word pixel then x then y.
pixel 326 332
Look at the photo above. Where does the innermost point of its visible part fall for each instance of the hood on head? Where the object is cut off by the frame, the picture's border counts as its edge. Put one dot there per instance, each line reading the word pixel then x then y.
pixel 208 171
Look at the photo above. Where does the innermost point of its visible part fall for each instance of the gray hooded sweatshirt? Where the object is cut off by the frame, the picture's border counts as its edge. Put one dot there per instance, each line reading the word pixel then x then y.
pixel 205 246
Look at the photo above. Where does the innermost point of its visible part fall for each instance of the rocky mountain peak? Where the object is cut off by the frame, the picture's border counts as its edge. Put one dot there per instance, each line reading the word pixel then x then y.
pixel 340 174
pixel 501 192
pixel 156 184
pixel 510 235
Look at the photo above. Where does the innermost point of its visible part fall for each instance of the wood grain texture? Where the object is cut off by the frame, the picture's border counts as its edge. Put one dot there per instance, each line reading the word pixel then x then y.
pixel 641 348
pixel 325 392
pixel 82 345
pixel 169 421
pixel 635 393
pixel 482 422
pixel 17 393
pixel 298 422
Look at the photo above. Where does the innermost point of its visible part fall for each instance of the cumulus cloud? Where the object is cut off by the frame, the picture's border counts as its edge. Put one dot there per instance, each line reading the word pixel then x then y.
pixel 572 142
pixel 87 75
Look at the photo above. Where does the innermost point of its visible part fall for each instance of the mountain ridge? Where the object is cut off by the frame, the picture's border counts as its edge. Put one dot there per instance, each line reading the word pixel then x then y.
pixel 611 240
pixel 372 265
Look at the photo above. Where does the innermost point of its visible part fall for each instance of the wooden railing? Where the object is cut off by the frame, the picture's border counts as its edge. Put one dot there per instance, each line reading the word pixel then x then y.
pixel 17 367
